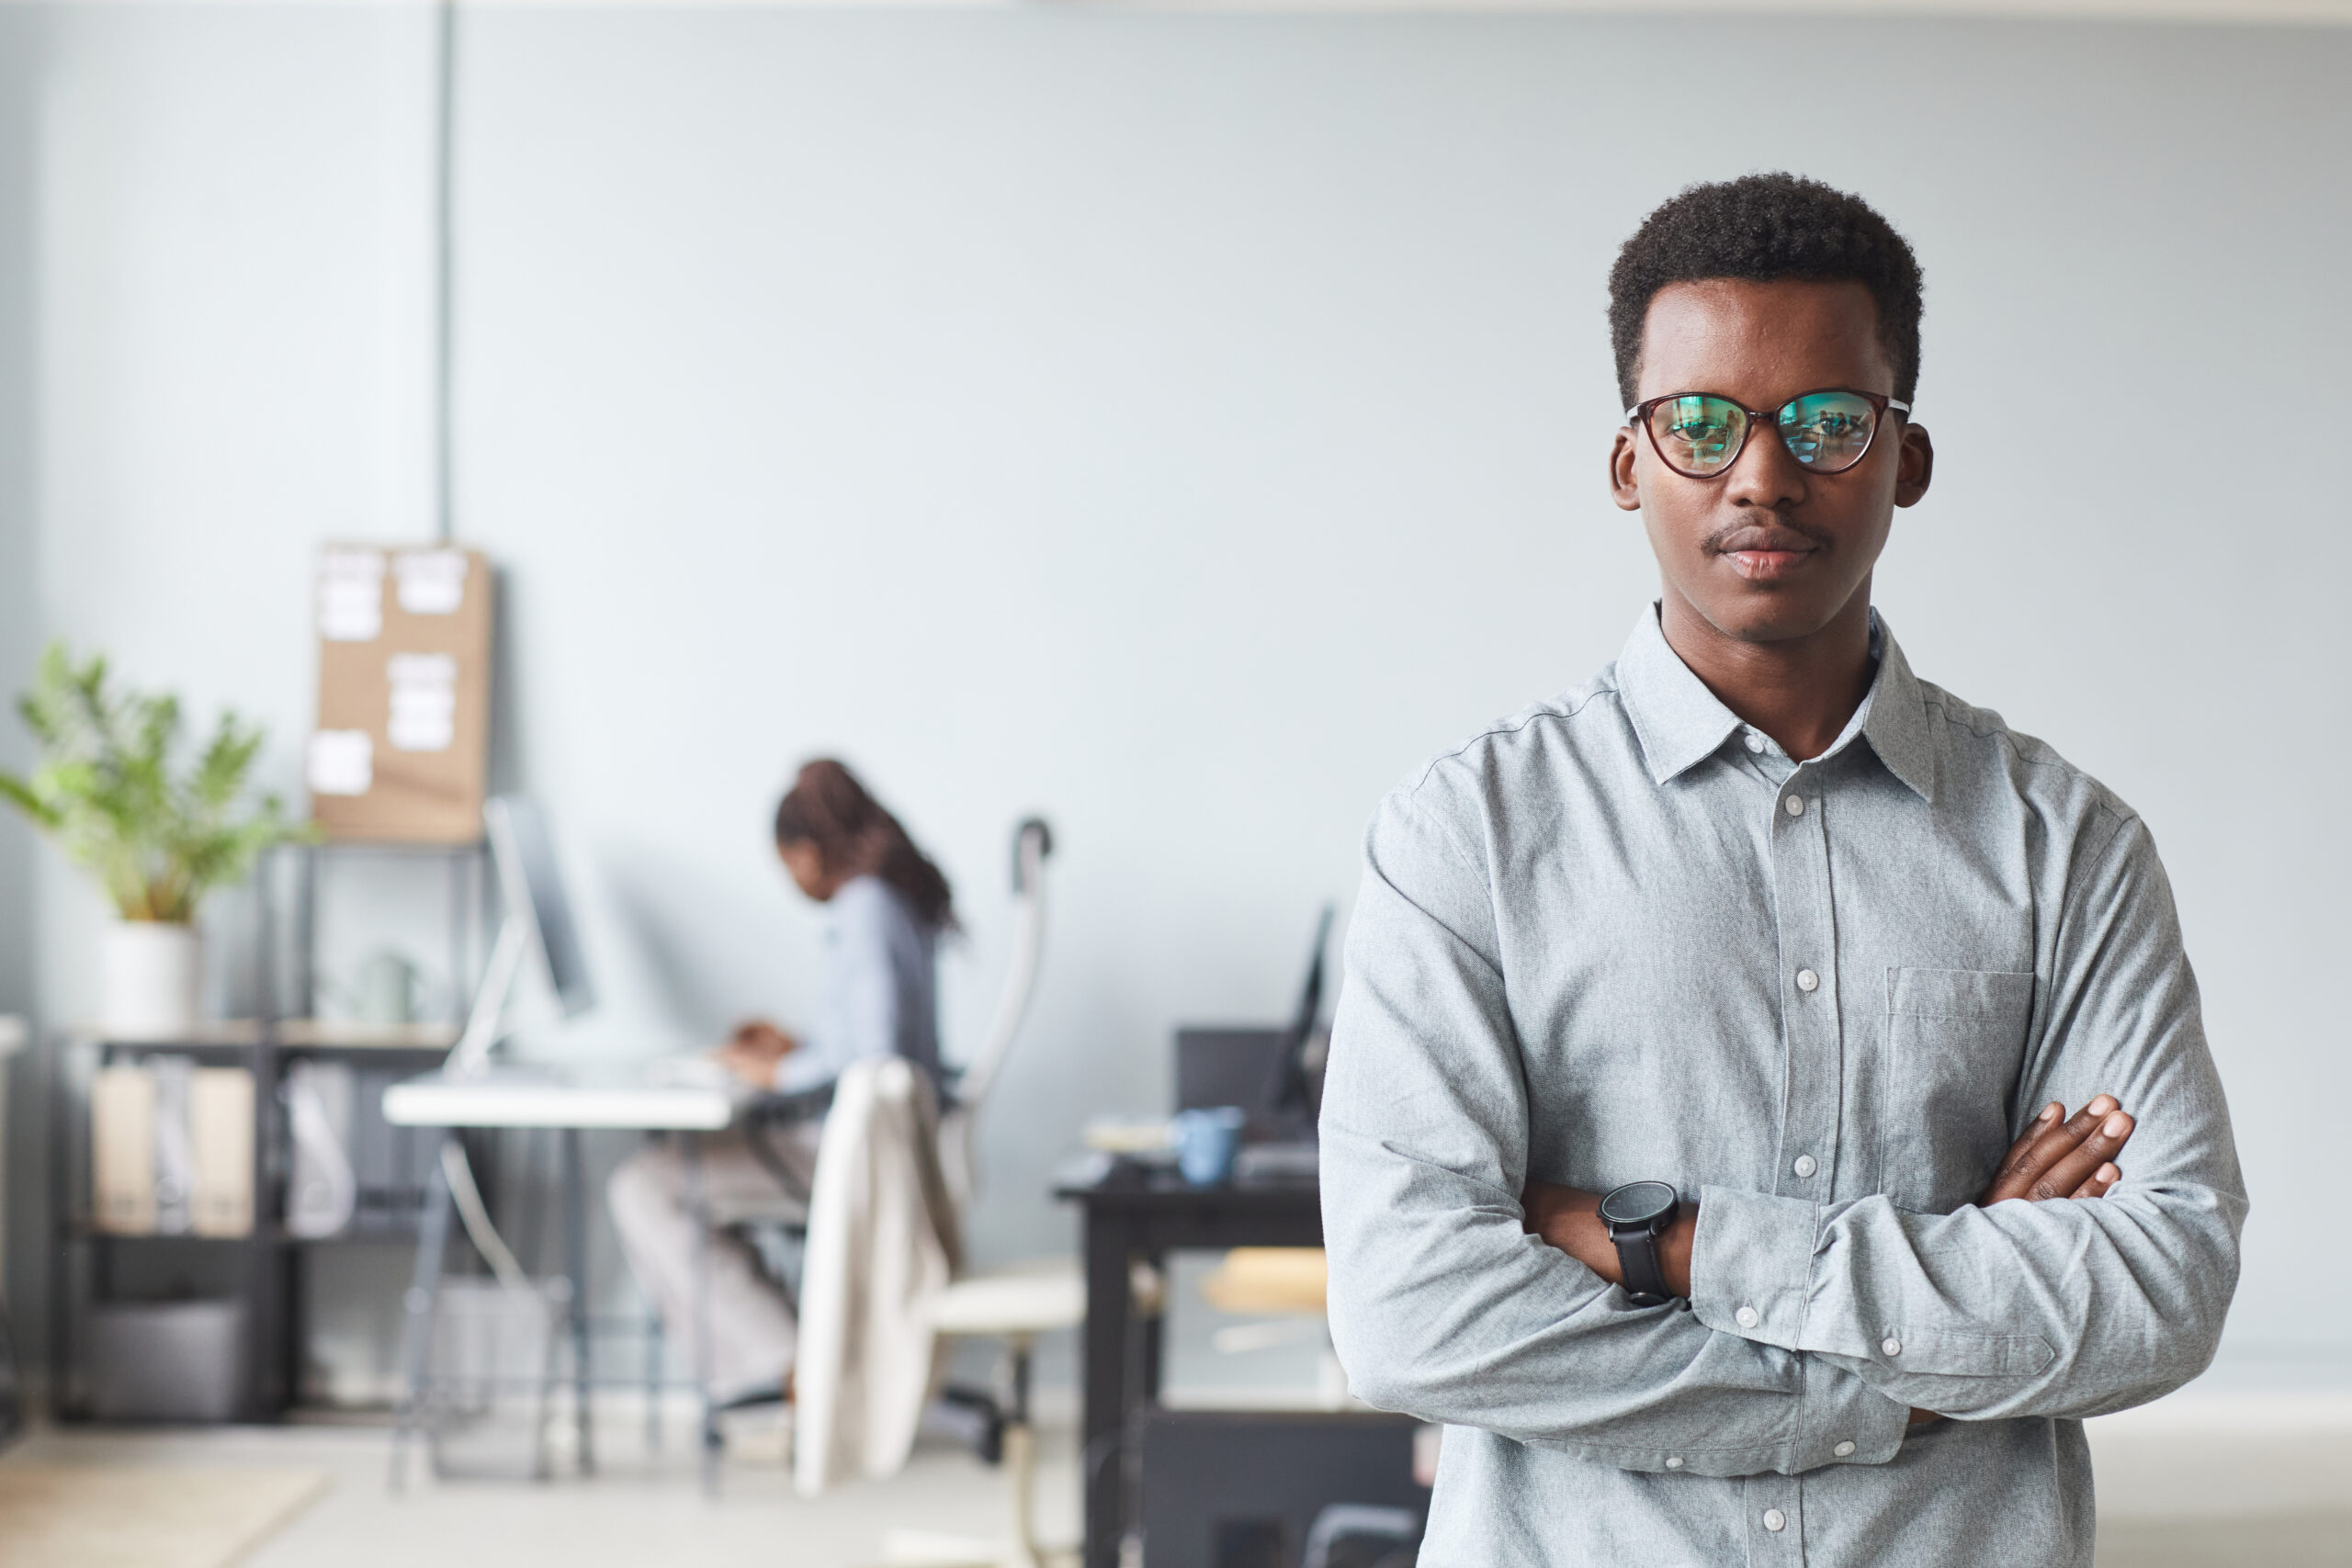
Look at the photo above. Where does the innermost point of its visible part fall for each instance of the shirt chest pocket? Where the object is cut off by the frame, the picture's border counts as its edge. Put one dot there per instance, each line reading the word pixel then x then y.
pixel 1955 1045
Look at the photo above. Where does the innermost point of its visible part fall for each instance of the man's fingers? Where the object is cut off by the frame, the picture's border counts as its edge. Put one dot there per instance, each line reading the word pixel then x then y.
pixel 2051 1138
pixel 2102 1178
pixel 2015 1159
pixel 2105 1140
pixel 2057 1154
pixel 2059 1138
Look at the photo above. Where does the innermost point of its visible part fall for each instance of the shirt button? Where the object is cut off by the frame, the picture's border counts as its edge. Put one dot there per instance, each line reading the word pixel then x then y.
pixel 1755 741
pixel 1805 1166
pixel 1775 1520
pixel 1745 1317
pixel 1793 805
pixel 1842 1449
pixel 1890 1345
pixel 1807 981
pixel 1674 1461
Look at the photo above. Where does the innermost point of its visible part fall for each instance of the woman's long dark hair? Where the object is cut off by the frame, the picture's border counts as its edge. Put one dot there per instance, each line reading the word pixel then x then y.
pixel 855 837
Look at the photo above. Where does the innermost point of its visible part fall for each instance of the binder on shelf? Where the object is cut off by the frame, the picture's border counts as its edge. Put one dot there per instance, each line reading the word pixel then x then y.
pixel 320 1191
pixel 391 1164
pixel 221 1139
pixel 172 1148
pixel 174 1151
pixel 122 1150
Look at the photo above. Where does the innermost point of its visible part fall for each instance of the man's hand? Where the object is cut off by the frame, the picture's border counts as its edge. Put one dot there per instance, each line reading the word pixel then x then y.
pixel 2055 1158
pixel 2060 1159
pixel 753 1052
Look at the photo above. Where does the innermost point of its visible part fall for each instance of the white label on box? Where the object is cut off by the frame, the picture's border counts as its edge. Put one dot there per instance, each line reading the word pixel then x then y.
pixel 424 702
pixel 431 582
pixel 342 762
pixel 351 595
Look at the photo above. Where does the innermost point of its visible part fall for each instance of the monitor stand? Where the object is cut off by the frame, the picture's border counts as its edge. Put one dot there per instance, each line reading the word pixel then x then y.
pixel 470 1056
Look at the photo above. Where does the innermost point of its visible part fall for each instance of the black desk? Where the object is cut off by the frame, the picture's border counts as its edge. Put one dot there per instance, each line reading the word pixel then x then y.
pixel 1134 1215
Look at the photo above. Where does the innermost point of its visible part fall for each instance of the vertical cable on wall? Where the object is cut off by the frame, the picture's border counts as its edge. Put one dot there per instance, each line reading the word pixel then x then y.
pixel 445 104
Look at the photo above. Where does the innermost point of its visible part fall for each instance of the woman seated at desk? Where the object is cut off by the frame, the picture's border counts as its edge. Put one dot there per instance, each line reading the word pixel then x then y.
pixel 890 904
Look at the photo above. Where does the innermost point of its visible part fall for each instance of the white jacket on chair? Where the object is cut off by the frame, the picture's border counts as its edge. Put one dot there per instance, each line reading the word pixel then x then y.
pixel 882 1245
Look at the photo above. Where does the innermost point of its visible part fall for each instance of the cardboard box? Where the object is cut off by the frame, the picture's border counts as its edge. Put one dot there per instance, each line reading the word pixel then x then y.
pixel 401 749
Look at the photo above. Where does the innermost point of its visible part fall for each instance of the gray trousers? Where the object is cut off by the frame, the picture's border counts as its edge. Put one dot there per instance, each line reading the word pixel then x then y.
pixel 752 1331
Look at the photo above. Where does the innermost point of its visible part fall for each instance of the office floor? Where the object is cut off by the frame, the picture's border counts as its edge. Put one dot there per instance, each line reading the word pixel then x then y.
pixel 642 1508
pixel 2215 1482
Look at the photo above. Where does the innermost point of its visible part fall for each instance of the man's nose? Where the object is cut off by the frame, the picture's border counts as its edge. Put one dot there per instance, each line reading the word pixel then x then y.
pixel 1766 476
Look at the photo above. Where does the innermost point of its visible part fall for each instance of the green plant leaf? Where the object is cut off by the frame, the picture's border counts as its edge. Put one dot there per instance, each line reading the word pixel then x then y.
pixel 154 833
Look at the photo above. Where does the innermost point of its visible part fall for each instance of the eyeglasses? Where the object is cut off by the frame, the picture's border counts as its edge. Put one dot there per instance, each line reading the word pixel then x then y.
pixel 1700 434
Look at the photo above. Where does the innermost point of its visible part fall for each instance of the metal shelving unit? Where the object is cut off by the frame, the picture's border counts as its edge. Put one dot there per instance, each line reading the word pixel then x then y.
pixel 263 1270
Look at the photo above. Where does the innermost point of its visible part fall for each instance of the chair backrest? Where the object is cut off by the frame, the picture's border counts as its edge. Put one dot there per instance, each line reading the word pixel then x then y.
pixel 1032 843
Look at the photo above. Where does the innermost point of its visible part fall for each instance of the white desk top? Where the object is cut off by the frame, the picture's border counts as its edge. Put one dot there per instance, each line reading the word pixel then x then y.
pixel 537 1097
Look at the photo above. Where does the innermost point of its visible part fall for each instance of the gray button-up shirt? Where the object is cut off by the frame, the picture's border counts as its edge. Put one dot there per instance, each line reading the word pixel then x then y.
pixel 1621 936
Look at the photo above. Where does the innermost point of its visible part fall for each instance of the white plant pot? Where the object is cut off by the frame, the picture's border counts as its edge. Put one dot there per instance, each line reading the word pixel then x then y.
pixel 149 972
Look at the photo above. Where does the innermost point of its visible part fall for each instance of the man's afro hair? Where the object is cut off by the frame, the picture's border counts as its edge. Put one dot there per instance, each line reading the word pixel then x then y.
pixel 1761 228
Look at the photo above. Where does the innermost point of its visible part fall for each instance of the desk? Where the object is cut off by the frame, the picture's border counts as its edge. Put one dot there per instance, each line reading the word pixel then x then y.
pixel 1137 1215
pixel 568 1103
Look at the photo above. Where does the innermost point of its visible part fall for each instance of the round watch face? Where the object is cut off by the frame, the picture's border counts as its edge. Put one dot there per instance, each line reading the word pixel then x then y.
pixel 1637 1204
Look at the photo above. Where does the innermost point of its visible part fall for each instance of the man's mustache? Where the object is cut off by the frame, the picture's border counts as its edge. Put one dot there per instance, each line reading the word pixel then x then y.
pixel 1753 534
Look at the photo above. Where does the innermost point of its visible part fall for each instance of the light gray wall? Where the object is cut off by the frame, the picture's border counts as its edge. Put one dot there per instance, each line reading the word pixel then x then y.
pixel 1179 425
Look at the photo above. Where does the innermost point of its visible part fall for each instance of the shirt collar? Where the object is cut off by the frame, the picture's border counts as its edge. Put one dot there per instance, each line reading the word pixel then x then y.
pixel 1680 723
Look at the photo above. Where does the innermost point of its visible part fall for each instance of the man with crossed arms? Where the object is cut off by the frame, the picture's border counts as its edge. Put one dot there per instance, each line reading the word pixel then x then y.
pixel 1799 960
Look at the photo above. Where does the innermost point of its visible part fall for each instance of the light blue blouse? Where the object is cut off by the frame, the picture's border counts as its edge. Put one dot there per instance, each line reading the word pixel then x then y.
pixel 881 988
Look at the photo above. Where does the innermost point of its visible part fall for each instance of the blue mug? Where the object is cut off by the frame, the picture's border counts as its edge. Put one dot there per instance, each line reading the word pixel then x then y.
pixel 1207 1142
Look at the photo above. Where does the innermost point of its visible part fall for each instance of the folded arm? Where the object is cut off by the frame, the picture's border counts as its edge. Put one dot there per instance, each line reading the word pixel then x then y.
pixel 2064 1308
pixel 1440 1303
pixel 2055 1157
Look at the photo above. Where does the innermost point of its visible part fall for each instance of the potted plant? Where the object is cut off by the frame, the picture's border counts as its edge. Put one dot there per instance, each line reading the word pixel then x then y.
pixel 157 833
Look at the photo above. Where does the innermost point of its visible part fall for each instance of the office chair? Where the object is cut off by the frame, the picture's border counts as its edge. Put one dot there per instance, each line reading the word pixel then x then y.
pixel 1014 1307
pixel 1032 843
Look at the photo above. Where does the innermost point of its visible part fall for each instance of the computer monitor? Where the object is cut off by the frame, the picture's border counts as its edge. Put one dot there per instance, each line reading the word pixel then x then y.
pixel 1288 1099
pixel 538 917
pixel 532 885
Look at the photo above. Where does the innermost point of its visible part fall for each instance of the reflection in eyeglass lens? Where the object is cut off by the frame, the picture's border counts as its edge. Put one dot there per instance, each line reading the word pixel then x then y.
pixel 1698 434
pixel 1827 431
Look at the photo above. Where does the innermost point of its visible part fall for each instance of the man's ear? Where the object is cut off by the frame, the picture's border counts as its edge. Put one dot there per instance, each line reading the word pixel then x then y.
pixel 1621 489
pixel 1915 467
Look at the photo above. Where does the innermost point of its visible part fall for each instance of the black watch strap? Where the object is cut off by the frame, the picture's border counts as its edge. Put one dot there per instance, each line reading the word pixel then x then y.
pixel 1637 1255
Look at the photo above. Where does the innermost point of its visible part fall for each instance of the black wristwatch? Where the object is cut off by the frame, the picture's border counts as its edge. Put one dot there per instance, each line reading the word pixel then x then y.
pixel 1637 1214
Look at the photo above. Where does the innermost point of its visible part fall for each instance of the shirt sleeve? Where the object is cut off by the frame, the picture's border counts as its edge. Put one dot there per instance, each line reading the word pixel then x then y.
pixel 860 1019
pixel 2061 1308
pixel 1440 1305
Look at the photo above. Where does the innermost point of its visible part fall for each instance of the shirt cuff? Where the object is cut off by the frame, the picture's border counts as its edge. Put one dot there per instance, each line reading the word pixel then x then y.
pixel 1749 1264
pixel 1843 1420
